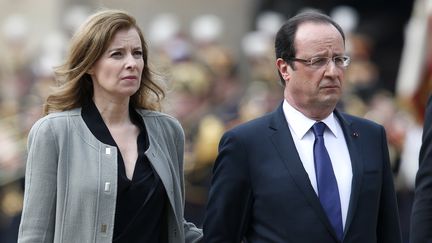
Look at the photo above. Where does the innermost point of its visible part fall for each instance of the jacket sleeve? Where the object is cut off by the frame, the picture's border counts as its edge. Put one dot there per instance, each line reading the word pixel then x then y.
pixel 388 228
pixel 421 218
pixel 38 215
pixel 191 232
pixel 229 201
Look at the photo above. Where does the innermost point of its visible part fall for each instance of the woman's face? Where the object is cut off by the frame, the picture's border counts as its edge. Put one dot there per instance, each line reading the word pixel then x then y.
pixel 116 75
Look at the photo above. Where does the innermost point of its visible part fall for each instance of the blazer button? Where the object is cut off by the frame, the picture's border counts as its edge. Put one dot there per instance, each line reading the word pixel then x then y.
pixel 107 187
pixel 104 228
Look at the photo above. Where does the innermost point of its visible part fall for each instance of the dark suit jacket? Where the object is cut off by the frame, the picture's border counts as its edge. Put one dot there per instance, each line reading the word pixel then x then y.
pixel 421 218
pixel 261 193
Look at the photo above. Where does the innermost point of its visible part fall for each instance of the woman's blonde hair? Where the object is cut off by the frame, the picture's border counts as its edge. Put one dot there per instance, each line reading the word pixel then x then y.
pixel 87 46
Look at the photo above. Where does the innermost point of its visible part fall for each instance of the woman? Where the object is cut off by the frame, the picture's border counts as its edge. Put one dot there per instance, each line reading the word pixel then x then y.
pixel 103 165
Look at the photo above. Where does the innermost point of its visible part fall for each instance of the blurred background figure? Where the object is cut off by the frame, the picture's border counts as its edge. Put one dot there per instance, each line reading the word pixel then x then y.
pixel 413 87
pixel 217 61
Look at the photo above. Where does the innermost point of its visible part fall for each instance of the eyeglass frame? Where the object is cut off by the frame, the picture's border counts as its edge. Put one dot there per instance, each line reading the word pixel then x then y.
pixel 309 62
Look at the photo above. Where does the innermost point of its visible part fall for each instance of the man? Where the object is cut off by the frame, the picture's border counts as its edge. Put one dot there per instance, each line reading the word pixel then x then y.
pixel 281 178
pixel 421 218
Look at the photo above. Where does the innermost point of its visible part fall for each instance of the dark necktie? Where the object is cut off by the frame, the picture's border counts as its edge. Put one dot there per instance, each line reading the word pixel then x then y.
pixel 328 192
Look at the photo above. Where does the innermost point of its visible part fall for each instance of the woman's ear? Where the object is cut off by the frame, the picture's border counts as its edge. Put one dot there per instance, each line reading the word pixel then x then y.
pixel 284 68
pixel 90 71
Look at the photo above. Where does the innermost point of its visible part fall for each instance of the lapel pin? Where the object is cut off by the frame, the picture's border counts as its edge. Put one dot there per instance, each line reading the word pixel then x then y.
pixel 355 134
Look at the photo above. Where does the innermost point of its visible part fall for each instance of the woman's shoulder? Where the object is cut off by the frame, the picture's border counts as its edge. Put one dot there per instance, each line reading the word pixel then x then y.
pixel 153 113
pixel 157 116
pixel 55 118
pixel 161 123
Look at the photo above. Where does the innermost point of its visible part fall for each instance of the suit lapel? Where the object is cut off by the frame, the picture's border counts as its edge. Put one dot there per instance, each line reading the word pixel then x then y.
pixel 351 134
pixel 284 143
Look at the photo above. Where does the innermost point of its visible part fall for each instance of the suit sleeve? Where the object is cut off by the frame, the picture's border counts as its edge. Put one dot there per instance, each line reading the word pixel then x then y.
pixel 229 201
pixel 38 215
pixel 421 218
pixel 388 229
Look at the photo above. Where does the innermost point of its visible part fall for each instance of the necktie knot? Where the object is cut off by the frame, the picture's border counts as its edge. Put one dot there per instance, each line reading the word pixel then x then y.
pixel 318 129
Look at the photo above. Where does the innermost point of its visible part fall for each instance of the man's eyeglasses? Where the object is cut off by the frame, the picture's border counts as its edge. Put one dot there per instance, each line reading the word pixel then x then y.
pixel 319 62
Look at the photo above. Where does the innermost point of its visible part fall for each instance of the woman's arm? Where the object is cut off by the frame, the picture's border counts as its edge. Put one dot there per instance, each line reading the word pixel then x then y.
pixel 38 216
pixel 192 233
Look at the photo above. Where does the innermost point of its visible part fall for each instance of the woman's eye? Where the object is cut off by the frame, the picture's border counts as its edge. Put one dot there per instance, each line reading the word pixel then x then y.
pixel 116 54
pixel 138 54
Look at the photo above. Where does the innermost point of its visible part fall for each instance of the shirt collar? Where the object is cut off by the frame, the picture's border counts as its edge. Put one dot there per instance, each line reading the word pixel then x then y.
pixel 300 124
pixel 97 126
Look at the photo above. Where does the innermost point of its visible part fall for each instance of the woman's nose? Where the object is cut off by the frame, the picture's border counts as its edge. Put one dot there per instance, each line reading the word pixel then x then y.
pixel 131 61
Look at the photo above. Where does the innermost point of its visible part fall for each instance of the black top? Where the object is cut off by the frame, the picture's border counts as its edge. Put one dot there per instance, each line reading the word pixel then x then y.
pixel 140 210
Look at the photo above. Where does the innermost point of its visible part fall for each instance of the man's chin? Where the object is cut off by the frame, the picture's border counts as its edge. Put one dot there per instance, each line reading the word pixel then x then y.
pixel 331 100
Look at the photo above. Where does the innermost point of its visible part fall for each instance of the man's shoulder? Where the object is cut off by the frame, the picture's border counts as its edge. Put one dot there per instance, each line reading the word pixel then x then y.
pixel 359 121
pixel 255 125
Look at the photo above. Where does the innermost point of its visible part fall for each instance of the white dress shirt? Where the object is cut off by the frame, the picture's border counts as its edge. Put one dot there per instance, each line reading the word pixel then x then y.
pixel 334 139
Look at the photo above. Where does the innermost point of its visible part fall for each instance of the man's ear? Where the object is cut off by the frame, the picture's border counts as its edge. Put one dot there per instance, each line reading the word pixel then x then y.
pixel 284 68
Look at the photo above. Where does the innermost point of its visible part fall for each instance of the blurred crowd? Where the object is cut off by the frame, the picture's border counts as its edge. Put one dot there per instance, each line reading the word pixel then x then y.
pixel 211 88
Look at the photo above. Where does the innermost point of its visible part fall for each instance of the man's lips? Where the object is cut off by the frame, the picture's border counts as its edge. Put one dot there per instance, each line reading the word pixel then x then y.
pixel 330 87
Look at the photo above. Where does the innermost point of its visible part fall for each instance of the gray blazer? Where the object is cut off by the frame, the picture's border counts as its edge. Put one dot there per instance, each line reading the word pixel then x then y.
pixel 71 180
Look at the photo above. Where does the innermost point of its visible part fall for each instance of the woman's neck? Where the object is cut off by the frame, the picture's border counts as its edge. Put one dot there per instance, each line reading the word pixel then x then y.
pixel 113 112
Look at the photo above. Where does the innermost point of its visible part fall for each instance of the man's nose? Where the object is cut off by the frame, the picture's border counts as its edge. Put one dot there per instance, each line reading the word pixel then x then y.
pixel 331 69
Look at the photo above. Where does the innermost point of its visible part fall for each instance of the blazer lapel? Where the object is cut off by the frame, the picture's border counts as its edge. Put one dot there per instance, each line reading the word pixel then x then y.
pixel 284 143
pixel 162 168
pixel 351 134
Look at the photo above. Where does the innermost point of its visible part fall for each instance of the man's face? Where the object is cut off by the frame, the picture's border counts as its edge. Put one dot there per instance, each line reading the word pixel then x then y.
pixel 310 89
